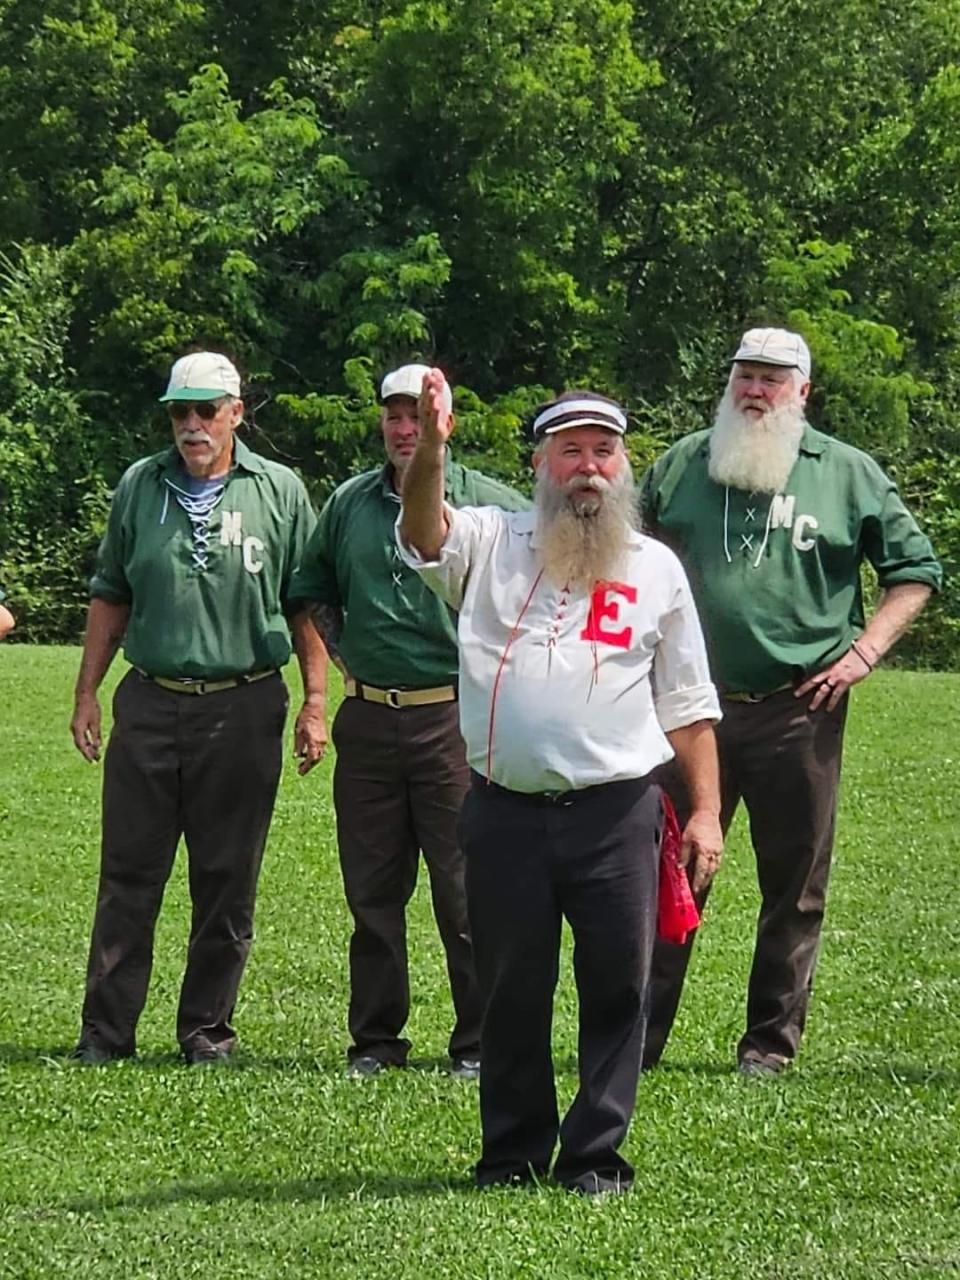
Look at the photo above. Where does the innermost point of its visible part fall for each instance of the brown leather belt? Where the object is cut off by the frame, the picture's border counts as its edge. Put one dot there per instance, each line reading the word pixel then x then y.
pixel 399 698
pixel 732 696
pixel 189 685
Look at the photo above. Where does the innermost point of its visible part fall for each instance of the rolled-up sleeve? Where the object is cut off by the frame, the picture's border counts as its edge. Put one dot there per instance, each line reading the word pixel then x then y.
pixel 683 692
pixel 447 575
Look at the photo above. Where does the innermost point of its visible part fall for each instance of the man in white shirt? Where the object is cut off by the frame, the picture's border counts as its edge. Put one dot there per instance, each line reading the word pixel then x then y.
pixel 582 668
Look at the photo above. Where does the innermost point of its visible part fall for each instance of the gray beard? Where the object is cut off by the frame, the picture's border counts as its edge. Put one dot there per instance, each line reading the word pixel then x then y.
pixel 756 455
pixel 583 527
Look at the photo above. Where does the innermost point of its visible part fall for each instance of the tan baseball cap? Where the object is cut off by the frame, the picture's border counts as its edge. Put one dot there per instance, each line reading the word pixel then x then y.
pixel 774 346
pixel 408 381
pixel 202 375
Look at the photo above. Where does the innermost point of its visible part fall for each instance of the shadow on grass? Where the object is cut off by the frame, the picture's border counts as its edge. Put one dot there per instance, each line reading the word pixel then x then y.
pixel 867 1072
pixel 909 1073
pixel 341 1186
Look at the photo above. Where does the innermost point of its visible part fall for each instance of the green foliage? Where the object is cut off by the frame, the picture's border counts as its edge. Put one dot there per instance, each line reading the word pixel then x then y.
pixel 52 498
pixel 863 393
pixel 530 193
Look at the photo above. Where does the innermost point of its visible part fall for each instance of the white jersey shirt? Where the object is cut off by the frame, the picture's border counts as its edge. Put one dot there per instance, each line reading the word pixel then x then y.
pixel 561 689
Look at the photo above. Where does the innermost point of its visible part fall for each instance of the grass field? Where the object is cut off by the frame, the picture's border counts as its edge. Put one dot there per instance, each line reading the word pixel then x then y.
pixel 278 1166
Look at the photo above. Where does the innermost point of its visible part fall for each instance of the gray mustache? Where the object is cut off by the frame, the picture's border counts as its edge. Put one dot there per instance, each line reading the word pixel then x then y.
pixel 193 437
pixel 577 483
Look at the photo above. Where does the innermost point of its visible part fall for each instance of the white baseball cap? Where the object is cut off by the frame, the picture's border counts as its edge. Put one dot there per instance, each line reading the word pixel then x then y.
pixel 202 375
pixel 774 346
pixel 408 381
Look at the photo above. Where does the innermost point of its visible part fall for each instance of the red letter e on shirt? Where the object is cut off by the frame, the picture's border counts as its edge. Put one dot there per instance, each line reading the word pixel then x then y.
pixel 603 608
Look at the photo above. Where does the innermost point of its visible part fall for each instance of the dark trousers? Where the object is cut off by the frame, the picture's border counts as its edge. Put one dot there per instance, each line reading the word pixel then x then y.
pixel 530 863
pixel 783 761
pixel 398 786
pixel 205 767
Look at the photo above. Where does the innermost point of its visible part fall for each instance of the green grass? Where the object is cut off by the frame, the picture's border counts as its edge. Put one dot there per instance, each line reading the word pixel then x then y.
pixel 279 1166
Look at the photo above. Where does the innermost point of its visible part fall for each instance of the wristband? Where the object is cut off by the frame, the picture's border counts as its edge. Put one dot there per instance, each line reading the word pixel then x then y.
pixel 862 656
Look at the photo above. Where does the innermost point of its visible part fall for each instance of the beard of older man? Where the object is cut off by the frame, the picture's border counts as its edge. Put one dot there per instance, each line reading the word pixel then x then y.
pixel 756 455
pixel 583 526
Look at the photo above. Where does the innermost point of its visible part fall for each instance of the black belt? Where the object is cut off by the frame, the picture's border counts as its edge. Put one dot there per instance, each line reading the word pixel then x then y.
pixel 553 798
pixel 735 695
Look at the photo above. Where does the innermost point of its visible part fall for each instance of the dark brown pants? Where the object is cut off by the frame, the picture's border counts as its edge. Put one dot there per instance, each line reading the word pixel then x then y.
pixel 205 767
pixel 783 761
pixel 398 786
pixel 591 859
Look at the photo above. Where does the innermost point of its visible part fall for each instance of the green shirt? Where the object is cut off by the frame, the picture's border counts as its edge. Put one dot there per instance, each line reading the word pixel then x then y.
pixel 777 579
pixel 397 634
pixel 223 620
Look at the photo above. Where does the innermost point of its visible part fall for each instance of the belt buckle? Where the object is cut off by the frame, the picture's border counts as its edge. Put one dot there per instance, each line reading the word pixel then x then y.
pixel 557 797
pixel 190 685
pixel 392 698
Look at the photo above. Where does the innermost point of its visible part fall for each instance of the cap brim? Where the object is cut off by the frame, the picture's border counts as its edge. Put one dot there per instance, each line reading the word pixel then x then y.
pixel 779 364
pixel 194 393
pixel 400 391
pixel 583 422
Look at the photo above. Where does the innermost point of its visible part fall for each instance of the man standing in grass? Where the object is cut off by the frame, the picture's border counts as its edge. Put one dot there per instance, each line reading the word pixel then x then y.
pixel 193 578
pixel 401 773
pixel 582 669
pixel 772 520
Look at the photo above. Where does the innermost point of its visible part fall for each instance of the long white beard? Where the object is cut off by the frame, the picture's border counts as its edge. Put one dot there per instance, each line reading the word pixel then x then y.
pixel 583 526
pixel 755 454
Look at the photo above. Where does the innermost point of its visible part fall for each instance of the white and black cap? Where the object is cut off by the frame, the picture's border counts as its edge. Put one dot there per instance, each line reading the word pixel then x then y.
pixel 579 409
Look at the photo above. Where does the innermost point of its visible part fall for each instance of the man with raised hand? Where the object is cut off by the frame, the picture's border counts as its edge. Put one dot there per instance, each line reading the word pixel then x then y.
pixel 193 578
pixel 772 521
pixel 582 668
pixel 401 774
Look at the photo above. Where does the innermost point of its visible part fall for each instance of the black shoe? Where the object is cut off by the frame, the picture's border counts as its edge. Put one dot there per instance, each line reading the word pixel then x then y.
pixel 94 1055
pixel 364 1066
pixel 465 1068
pixel 755 1065
pixel 593 1185
pixel 201 1052
pixel 527 1177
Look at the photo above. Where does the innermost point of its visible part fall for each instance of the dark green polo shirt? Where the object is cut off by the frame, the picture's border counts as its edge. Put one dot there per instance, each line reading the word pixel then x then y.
pixel 397 634
pixel 224 620
pixel 777 579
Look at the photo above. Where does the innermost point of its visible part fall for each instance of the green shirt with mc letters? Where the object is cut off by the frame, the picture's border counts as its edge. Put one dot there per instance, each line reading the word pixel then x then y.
pixel 221 613
pixel 776 578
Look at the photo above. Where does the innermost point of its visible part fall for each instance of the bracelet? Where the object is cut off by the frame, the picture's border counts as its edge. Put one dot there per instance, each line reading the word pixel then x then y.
pixel 862 656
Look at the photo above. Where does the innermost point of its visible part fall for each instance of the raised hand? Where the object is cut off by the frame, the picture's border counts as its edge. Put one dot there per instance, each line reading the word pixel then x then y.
pixel 436 422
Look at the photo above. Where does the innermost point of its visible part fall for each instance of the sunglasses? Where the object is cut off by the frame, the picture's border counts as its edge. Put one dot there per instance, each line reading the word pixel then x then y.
pixel 206 410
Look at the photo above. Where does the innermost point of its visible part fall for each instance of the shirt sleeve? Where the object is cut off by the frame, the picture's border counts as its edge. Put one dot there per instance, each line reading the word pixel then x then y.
pixel 303 522
pixel 315 575
pixel 447 575
pixel 893 541
pixel 109 581
pixel 683 692
pixel 647 501
pixel 492 493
